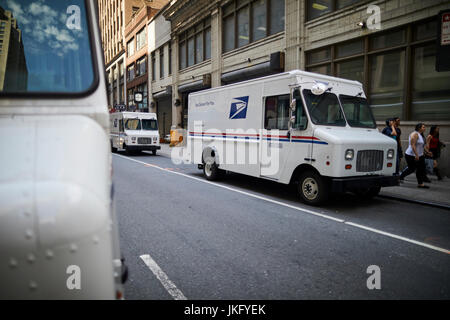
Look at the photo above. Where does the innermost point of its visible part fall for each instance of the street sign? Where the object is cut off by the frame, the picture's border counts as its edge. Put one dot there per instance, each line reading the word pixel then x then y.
pixel 443 42
pixel 445 29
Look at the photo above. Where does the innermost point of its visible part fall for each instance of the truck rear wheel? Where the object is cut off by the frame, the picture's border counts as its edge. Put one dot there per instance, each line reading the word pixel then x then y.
pixel 211 171
pixel 313 188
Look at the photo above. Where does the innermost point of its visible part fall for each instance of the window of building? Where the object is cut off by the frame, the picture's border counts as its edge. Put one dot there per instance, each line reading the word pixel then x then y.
pixel 141 39
pixel 195 44
pixel 277 16
pixel 121 70
pixel 130 48
pixel 153 66
pixel 351 69
pixel 161 62
pixel 430 93
pixel 121 94
pixel 387 72
pixel 382 67
pixel 317 8
pixel 141 66
pixel 277 112
pixel 170 58
pixel 130 73
pixel 250 20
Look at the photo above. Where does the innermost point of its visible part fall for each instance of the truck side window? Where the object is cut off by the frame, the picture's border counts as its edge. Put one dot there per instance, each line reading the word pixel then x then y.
pixel 121 125
pixel 277 112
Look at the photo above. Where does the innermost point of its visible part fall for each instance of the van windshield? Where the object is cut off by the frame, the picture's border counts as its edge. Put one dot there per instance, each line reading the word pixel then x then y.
pixel 357 112
pixel 133 124
pixel 324 109
pixel 45 47
pixel 149 124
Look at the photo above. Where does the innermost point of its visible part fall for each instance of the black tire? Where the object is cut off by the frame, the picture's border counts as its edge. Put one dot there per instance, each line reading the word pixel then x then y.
pixel 154 152
pixel 368 193
pixel 127 151
pixel 312 188
pixel 211 171
pixel 113 150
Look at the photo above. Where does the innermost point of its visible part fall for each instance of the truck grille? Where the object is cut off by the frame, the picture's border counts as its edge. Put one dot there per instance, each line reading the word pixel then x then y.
pixel 369 161
pixel 145 140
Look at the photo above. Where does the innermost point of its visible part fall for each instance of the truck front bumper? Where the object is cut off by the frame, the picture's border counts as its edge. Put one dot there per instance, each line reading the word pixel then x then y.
pixel 363 182
pixel 143 147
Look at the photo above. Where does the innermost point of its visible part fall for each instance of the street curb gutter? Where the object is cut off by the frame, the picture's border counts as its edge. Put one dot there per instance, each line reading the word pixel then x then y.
pixel 426 203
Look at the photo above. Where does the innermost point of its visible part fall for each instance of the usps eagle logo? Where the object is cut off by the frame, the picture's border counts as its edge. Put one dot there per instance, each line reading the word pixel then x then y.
pixel 239 108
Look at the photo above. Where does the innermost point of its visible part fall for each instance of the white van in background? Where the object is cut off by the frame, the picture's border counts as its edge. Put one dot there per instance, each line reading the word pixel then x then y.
pixel 307 129
pixel 134 131
pixel 58 229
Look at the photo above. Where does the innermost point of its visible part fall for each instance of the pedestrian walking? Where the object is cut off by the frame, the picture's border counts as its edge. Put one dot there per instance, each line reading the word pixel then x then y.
pixel 389 130
pixel 434 146
pixel 399 143
pixel 415 156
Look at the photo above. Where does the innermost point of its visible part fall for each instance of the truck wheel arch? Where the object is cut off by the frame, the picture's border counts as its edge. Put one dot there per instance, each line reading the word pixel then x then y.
pixel 299 170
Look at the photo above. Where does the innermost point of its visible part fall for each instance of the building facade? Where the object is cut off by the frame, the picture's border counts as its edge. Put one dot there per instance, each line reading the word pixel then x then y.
pixel 13 65
pixel 137 54
pixel 114 17
pixel 388 45
pixel 160 74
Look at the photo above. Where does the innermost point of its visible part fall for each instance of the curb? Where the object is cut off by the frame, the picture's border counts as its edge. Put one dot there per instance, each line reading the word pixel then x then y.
pixel 427 203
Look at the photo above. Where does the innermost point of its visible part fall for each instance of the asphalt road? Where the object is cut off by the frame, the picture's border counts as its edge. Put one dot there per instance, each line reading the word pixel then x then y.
pixel 246 238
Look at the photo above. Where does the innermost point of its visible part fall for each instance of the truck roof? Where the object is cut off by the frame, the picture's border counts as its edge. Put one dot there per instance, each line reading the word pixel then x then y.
pixel 293 73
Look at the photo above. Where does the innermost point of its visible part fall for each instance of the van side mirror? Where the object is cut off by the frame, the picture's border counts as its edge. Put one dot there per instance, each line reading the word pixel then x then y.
pixel 293 104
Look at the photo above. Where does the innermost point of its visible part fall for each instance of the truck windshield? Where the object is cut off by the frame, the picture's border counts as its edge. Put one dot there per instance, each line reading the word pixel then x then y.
pixel 133 124
pixel 357 112
pixel 149 124
pixel 45 47
pixel 324 109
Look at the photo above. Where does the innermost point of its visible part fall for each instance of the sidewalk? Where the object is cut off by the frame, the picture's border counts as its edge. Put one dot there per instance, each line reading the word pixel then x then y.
pixel 437 195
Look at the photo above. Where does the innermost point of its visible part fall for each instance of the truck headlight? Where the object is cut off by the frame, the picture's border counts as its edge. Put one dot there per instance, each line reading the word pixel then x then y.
pixel 349 154
pixel 390 154
pixel 133 138
pixel 121 140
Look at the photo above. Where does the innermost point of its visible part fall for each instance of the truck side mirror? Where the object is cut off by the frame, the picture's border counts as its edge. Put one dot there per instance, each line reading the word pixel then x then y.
pixel 293 104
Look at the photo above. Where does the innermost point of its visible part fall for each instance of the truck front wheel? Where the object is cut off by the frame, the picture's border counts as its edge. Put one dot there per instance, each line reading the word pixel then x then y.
pixel 313 188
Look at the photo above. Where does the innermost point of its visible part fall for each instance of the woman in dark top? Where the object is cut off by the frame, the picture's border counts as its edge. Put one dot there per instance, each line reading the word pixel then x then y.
pixel 434 146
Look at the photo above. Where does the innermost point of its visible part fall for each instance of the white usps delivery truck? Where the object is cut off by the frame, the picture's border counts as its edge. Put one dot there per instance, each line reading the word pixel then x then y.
pixel 134 131
pixel 58 229
pixel 301 128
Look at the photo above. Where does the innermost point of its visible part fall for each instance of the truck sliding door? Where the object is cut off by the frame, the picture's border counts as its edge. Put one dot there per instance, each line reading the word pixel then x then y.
pixel 275 139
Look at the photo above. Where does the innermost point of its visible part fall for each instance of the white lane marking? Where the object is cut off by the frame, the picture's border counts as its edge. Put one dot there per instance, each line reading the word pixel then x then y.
pixel 423 244
pixel 398 237
pixel 162 277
